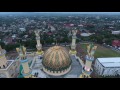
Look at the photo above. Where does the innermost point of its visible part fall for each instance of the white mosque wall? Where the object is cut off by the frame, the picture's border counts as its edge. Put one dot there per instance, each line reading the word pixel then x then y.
pixel 12 71
pixel 111 71
pixel 105 71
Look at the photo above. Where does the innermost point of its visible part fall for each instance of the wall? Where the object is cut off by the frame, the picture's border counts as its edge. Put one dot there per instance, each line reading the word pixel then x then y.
pixel 111 71
pixel 105 71
pixel 98 67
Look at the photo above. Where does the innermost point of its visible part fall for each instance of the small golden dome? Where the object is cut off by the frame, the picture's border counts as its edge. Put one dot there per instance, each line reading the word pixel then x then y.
pixel 56 59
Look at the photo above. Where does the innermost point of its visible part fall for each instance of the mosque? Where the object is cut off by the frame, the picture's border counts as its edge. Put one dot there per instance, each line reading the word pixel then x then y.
pixel 55 62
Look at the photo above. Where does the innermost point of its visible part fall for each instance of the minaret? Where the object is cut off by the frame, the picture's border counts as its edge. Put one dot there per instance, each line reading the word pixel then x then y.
pixel 3 60
pixel 26 72
pixel 39 45
pixel 73 45
pixel 87 70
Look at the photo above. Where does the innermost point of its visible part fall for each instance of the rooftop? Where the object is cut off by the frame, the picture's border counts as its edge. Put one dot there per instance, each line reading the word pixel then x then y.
pixel 85 34
pixel 9 62
pixel 110 62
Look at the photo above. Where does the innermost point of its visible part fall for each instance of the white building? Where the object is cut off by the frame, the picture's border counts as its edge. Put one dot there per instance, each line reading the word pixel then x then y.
pixel 22 29
pixel 116 32
pixel 11 71
pixel 86 34
pixel 107 66
pixel 52 28
pixel 14 36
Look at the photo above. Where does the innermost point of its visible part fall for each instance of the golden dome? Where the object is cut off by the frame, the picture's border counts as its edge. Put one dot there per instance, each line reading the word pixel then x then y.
pixel 56 59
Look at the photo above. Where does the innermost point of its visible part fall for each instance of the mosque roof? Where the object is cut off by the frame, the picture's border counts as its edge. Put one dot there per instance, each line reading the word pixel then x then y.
pixel 56 58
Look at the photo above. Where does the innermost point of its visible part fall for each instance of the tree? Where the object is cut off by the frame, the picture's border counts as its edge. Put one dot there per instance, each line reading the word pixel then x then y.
pixel 2 44
pixel 10 47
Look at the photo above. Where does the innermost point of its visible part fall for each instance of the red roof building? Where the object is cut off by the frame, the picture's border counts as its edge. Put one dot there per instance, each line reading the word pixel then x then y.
pixel 68 25
pixel 116 43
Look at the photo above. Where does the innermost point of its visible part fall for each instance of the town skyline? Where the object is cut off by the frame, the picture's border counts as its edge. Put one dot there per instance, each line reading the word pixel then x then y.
pixel 58 45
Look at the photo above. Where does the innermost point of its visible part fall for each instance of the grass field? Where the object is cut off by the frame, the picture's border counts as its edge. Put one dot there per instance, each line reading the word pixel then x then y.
pixel 102 51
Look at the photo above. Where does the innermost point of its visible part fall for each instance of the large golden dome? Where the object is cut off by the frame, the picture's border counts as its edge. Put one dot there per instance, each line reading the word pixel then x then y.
pixel 56 61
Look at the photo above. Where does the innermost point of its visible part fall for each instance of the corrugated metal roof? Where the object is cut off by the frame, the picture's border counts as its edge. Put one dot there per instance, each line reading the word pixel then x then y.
pixel 110 62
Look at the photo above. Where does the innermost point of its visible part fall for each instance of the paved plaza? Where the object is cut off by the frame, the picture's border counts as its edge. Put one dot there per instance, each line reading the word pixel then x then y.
pixel 76 68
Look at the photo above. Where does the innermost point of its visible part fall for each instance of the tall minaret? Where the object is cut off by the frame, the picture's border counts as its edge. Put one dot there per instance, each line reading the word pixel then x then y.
pixel 73 45
pixel 3 60
pixel 26 72
pixel 39 45
pixel 87 70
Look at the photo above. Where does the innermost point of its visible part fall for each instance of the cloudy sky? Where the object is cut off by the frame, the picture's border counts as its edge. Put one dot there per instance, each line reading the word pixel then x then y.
pixel 63 12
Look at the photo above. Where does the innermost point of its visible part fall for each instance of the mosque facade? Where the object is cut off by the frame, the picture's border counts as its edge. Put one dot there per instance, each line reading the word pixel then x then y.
pixel 8 68
pixel 55 62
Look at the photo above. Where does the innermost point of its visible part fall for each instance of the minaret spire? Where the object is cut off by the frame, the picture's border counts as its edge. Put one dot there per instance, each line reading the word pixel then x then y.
pixel 24 61
pixel 3 60
pixel 73 45
pixel 87 70
pixel 39 45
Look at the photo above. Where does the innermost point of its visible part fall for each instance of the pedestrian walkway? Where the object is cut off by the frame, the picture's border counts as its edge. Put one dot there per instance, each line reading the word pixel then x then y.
pixel 81 62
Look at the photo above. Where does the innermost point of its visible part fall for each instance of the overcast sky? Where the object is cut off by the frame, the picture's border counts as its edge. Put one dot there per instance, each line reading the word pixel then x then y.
pixel 63 12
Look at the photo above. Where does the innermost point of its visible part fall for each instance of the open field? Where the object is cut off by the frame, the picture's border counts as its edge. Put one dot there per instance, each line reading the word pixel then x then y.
pixel 101 51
